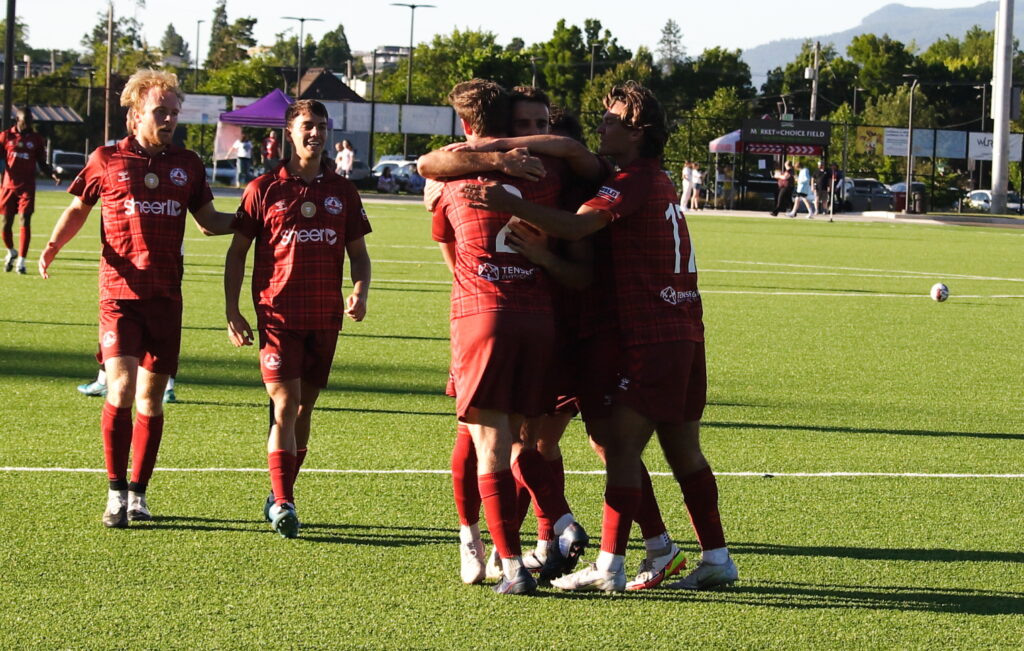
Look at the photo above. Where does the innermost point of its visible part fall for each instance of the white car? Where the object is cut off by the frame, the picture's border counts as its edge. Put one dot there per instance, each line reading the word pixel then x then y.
pixel 982 200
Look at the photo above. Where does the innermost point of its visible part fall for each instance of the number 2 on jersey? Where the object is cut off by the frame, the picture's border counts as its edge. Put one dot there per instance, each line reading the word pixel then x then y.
pixel 499 242
pixel 673 214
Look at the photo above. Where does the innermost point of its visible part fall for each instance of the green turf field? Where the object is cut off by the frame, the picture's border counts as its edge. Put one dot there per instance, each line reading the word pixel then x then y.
pixel 825 356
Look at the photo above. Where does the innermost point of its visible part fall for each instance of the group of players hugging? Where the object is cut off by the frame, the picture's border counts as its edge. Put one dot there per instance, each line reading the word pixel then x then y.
pixel 574 291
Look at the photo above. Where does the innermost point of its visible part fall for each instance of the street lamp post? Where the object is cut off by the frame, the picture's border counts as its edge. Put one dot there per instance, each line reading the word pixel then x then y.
pixel 593 47
pixel 910 144
pixel 855 91
pixel 195 78
pixel 298 67
pixel 408 84
pixel 984 100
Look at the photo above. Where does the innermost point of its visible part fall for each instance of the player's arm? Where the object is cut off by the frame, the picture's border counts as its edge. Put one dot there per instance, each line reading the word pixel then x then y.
pixel 359 262
pixel 445 164
pixel 581 161
pixel 572 270
pixel 488 195
pixel 212 222
pixel 239 331
pixel 68 225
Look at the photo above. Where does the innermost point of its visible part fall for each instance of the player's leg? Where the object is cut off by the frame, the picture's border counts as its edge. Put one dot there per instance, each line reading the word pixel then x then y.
pixel 25 235
pixel 466 491
pixel 116 429
pixel 281 455
pixel 8 227
pixel 146 436
pixel 303 421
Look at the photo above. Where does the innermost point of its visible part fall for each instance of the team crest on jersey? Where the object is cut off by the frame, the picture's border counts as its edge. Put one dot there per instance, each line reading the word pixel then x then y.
pixel 272 361
pixel 611 194
pixel 179 177
pixel 30 144
pixel 109 338
pixel 333 205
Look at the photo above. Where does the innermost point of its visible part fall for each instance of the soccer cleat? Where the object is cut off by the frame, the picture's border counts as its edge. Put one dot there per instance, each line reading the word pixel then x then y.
pixel 522 583
pixel 138 510
pixel 284 521
pixel 169 396
pixel 21 266
pixel 532 562
pixel 9 260
pixel 473 569
pixel 592 579
pixel 571 545
pixel 493 570
pixel 269 504
pixel 707 575
pixel 116 515
pixel 655 570
pixel 93 388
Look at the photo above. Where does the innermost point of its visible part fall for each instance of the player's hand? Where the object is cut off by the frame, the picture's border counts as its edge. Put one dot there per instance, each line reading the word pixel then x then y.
pixel 46 259
pixel 520 164
pixel 431 193
pixel 239 331
pixel 488 195
pixel 355 307
pixel 527 241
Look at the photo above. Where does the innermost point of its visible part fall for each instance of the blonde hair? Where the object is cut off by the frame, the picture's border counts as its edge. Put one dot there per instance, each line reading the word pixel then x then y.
pixel 134 94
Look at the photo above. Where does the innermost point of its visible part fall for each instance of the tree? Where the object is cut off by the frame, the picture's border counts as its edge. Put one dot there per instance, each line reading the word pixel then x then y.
pixel 21 47
pixel 333 51
pixel 671 52
pixel 837 77
pixel 882 62
pixel 130 51
pixel 639 69
pixel 711 117
pixel 172 44
pixel 228 42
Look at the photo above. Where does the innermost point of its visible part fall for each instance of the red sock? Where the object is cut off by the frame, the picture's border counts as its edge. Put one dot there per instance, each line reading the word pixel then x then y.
pixel 464 480
pixel 700 492
pixel 498 493
pixel 146 443
pixel 522 497
pixel 300 456
pixel 282 473
pixel 116 426
pixel 23 240
pixel 620 506
pixel 558 472
pixel 648 515
pixel 532 470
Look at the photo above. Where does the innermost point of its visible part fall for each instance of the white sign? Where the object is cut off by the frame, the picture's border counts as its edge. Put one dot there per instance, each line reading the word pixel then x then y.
pixel 979 146
pixel 242 102
pixel 202 109
pixel 430 120
pixel 895 143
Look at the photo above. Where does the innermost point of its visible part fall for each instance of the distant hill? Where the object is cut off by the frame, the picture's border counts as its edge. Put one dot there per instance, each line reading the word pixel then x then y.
pixel 905 24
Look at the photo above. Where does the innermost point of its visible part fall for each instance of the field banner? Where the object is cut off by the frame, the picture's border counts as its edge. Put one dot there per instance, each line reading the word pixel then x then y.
pixel 357 118
pixel 429 120
pixel 202 109
pixel 869 140
pixel 242 102
pixel 895 141
pixel 386 119
pixel 336 114
pixel 924 142
pixel 950 144
pixel 979 146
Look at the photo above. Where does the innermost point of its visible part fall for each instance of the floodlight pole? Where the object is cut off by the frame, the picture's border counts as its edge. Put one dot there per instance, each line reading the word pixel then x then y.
pixel 110 62
pixel 195 78
pixel 298 67
pixel 1002 79
pixel 910 145
pixel 8 66
pixel 408 84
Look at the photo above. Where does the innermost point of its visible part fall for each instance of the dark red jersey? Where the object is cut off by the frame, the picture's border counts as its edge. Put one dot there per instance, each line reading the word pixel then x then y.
pixel 23 153
pixel 144 203
pixel 301 230
pixel 654 270
pixel 489 275
pixel 271 148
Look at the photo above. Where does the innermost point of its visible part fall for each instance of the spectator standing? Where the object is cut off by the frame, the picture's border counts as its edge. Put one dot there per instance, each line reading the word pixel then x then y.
pixel 803 190
pixel 697 179
pixel 243 160
pixel 271 151
pixel 785 180
pixel 345 158
pixel 687 184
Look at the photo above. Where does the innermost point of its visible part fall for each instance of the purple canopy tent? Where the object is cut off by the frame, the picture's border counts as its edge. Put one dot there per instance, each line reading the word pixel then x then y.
pixel 267 111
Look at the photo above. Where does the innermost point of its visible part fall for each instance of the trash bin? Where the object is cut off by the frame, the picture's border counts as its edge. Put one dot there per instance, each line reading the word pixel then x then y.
pixel 917 203
pixel 899 201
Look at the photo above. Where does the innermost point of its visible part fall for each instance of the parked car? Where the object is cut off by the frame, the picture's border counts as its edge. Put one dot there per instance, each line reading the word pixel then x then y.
pixel 399 170
pixel 982 200
pixel 225 172
pixel 360 175
pixel 860 195
pixel 67 164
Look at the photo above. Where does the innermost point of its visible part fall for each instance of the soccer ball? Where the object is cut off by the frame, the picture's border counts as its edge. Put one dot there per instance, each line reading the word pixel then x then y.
pixel 939 292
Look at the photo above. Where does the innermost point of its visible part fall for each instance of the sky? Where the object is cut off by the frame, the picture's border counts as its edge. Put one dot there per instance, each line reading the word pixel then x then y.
pixel 372 23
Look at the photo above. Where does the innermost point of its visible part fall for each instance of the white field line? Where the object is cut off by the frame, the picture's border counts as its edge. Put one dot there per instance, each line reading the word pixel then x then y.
pixel 335 471
pixel 891 271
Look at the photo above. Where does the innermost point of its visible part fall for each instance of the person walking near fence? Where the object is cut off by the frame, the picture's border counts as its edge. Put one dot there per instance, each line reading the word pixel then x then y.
pixel 803 190
pixel 697 180
pixel 785 193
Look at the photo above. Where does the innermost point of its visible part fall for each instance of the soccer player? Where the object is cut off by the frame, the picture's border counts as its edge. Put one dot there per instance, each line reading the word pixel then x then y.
pixel 24 150
pixel 502 332
pixel 270 151
pixel 304 219
pixel 661 385
pixel 146 184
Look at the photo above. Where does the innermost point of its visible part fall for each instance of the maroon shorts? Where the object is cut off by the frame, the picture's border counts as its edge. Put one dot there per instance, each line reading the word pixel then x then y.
pixel 667 382
pixel 598 370
pixel 18 201
pixel 500 362
pixel 297 354
pixel 147 328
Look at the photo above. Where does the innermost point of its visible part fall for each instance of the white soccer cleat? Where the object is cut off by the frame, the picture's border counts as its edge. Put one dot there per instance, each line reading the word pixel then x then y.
pixel 707 575
pixel 284 520
pixel 9 259
pixel 21 266
pixel 655 570
pixel 138 510
pixel 494 570
pixel 116 514
pixel 592 579
pixel 471 555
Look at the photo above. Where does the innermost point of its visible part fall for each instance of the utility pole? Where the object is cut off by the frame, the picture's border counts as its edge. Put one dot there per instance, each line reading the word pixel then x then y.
pixel 195 78
pixel 812 74
pixel 298 68
pixel 110 59
pixel 533 67
pixel 5 120
pixel 910 146
pixel 1002 82
pixel 408 84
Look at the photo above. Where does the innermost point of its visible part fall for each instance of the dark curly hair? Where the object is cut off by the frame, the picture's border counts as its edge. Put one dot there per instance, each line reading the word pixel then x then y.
pixel 643 111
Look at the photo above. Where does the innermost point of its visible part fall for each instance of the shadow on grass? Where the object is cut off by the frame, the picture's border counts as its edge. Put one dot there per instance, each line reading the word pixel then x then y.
pixel 319 407
pixel 884 554
pixel 865 430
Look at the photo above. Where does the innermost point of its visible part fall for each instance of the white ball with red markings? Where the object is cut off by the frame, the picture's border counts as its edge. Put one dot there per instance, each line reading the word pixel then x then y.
pixel 939 292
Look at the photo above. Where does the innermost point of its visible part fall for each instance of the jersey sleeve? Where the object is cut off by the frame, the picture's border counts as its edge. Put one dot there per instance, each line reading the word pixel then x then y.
pixel 619 196
pixel 88 185
pixel 248 220
pixel 357 224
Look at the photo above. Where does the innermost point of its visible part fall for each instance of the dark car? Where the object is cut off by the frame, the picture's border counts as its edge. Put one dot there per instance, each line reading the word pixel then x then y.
pixel 67 164
pixel 860 195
